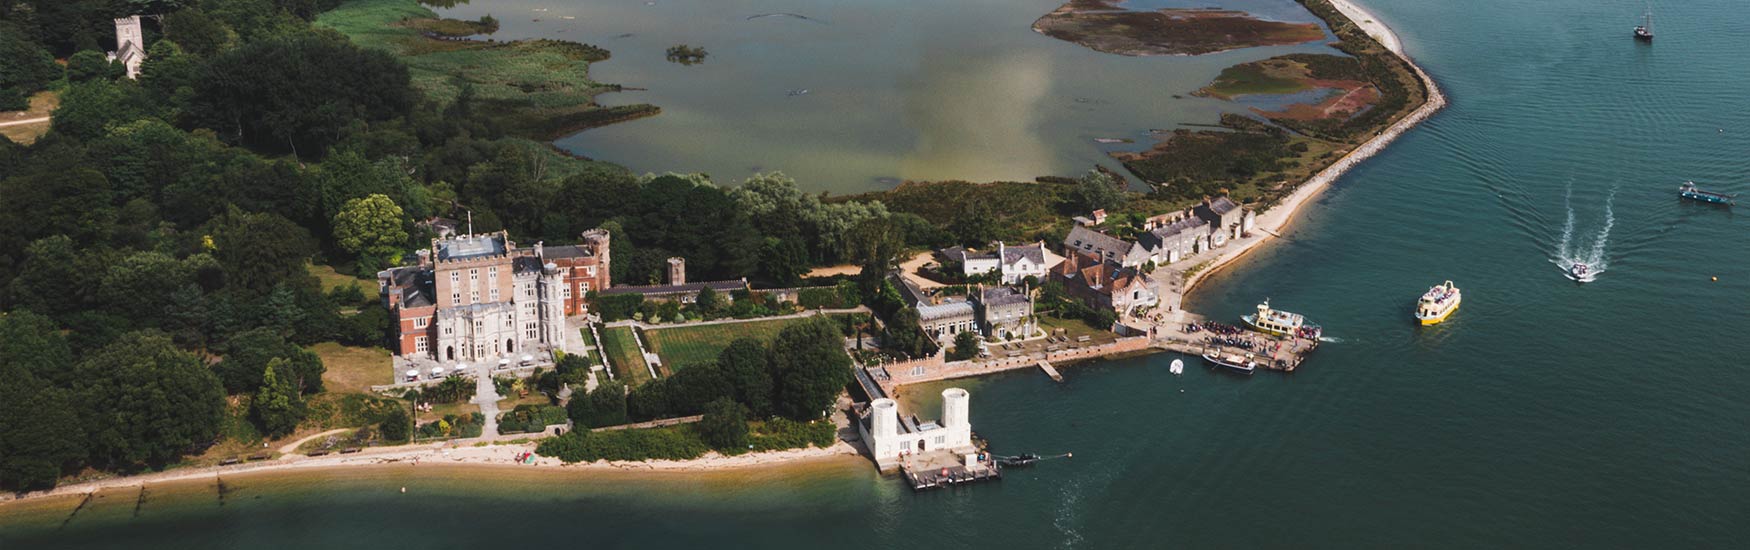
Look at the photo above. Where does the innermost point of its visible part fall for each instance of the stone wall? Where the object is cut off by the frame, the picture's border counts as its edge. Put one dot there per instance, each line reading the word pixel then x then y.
pixel 934 368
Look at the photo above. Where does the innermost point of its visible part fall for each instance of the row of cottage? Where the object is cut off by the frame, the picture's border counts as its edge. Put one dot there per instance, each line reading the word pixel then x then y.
pixel 1101 270
pixel 471 297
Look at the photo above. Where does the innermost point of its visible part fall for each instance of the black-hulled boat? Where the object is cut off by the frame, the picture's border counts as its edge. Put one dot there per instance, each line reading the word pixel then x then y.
pixel 1644 31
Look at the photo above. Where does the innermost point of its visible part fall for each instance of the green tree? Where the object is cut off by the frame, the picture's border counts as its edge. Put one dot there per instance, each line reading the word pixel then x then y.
pixel 904 334
pixel 147 401
pixel 53 279
pixel 746 368
pixel 249 354
pixel 709 301
pixel 965 346
pixel 1097 190
pixel 277 409
pixel 300 93
pixel 89 65
pixel 605 406
pixel 371 228
pixel 40 433
pixel 397 424
pixel 724 426
pixel 260 251
pixel 28 66
pixel 810 368
pixel 197 32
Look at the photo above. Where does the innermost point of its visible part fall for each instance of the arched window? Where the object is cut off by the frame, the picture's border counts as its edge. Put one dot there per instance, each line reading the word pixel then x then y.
pixel 450 353
pixel 508 346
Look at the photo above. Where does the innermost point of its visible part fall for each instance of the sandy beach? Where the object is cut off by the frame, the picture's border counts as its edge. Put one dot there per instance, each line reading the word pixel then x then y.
pixel 448 456
pixel 1271 223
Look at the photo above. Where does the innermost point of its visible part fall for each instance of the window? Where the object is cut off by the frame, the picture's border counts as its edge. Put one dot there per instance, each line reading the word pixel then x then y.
pixel 568 293
pixel 583 286
pixel 474 297
pixel 455 297
pixel 531 335
pixel 479 324
pixel 449 330
pixel 419 344
pixel 495 294
pixel 509 323
pixel 474 274
pixel 455 277
pixel 422 322
pixel 492 273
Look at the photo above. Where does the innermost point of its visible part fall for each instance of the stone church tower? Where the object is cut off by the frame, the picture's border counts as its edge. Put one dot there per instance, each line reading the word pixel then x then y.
pixel 130 45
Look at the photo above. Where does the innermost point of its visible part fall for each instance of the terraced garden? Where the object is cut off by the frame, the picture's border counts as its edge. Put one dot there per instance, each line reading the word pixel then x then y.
pixel 622 352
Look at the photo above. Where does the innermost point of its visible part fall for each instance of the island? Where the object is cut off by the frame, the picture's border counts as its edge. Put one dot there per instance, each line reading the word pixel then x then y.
pixel 1103 26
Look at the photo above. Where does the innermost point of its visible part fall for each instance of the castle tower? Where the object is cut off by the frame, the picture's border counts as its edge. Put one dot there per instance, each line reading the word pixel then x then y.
pixel 130 44
pixel 955 419
pixel 884 440
pixel 677 271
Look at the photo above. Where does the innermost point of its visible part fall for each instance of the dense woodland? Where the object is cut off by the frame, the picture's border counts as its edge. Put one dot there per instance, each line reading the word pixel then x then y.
pixel 156 274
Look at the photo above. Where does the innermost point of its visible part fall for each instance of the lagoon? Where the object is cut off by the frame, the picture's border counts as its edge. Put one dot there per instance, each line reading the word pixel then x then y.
pixel 897 89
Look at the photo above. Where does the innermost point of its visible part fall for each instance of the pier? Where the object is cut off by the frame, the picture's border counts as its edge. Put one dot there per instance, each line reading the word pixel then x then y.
pixel 941 469
pixel 1050 371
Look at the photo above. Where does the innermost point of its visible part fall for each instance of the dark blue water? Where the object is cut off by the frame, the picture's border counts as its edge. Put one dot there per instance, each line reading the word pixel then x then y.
pixel 1545 414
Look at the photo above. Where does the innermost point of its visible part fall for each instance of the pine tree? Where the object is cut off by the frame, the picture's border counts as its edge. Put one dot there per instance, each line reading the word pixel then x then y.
pixel 277 408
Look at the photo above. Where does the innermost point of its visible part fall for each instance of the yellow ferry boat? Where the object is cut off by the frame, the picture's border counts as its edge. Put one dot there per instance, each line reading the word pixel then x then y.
pixel 1438 303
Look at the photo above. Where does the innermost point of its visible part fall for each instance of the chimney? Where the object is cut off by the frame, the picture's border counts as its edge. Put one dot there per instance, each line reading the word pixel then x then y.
pixel 424 257
pixel 677 271
pixel 538 250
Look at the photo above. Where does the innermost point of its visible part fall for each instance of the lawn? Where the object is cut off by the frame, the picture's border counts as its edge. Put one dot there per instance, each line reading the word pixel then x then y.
pixel 41 105
pixel 1072 328
pixel 352 369
pixel 622 351
pixel 683 345
pixel 332 279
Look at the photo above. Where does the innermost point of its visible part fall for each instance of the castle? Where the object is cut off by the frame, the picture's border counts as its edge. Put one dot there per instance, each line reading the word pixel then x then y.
pixel 474 297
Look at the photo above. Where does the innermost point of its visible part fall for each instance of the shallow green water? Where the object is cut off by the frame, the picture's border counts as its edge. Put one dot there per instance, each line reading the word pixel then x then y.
pixel 1545 414
pixel 896 89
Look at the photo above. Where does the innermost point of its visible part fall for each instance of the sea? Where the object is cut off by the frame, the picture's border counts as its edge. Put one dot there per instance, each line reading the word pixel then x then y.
pixel 1545 414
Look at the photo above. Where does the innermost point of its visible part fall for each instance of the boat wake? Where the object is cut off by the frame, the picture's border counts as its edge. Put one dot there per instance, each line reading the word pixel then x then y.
pixel 1581 263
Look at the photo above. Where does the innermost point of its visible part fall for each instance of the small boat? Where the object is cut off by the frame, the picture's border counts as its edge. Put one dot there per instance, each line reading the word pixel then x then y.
pixel 1243 365
pixel 1178 367
pixel 1581 273
pixel 1281 323
pixel 1644 31
pixel 1689 191
pixel 1439 302
pixel 794 93
pixel 1019 461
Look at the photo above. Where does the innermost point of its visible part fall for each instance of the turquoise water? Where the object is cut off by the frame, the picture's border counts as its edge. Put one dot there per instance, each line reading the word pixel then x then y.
pixel 1545 414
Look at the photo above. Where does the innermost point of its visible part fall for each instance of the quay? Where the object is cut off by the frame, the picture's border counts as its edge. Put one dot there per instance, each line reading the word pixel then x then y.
pixel 1049 371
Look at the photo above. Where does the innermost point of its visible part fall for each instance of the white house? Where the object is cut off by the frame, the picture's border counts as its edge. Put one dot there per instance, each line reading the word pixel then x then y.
pixel 1014 263
pixel 889 438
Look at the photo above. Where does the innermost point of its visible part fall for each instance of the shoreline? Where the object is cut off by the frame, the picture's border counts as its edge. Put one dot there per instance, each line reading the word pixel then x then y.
pixel 1271 222
pixel 447 456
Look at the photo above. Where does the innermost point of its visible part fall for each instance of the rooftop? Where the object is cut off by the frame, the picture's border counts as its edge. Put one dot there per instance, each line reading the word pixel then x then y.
pixel 471 246
pixel 949 310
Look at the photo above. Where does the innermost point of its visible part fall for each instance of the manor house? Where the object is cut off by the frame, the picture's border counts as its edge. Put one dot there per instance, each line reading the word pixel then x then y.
pixel 473 297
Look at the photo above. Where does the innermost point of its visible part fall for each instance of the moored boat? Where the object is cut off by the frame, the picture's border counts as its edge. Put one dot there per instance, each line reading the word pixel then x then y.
pixel 1236 363
pixel 1281 323
pixel 1438 303
pixel 1644 31
pixel 1689 191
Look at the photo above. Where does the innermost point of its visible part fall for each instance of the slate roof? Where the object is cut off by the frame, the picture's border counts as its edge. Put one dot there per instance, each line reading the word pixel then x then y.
pixel 1034 253
pixel 525 264
pixel 1099 276
pixel 1081 238
pixel 719 286
pixel 566 251
pixel 1154 239
pixel 415 284
pixel 1001 296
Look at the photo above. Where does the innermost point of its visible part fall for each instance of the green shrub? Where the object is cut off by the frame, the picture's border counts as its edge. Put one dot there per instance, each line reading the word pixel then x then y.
pixel 780 434
pixel 669 443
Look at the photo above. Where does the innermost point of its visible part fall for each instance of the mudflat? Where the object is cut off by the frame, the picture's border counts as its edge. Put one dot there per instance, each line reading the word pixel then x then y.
pixel 1103 26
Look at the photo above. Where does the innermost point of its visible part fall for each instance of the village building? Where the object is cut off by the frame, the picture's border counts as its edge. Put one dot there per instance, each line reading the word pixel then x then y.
pixel 1227 220
pixel 678 289
pixel 130 45
pixel 1173 237
pixel 1004 313
pixel 475 297
pixel 942 321
pixel 1083 240
pixel 1104 284
pixel 1013 263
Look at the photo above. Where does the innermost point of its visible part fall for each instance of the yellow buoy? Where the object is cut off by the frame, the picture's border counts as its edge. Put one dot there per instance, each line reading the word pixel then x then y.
pixel 1716 279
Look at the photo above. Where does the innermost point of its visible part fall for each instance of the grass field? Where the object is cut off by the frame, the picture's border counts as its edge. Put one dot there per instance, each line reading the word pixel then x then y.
pixel 683 346
pixel 353 369
pixel 332 279
pixel 41 105
pixel 622 351
pixel 1270 76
